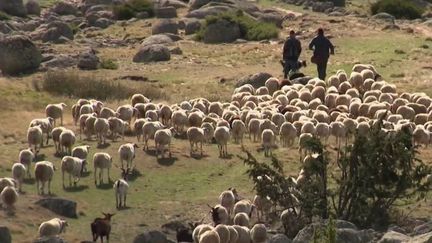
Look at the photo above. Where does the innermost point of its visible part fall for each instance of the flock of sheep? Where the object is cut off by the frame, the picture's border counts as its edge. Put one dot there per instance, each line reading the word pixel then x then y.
pixel 279 111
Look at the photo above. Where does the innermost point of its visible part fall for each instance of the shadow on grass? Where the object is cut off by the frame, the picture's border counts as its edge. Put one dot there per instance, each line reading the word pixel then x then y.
pixel 166 161
pixel 151 152
pixel 103 146
pixel 134 175
pixel 105 186
pixel 86 174
pixel 39 157
pixel 198 156
pixel 79 188
pixel 30 181
pixel 124 208
pixel 228 156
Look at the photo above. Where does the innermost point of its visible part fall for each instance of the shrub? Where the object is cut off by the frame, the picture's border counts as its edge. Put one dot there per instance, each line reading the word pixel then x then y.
pixel 4 16
pixel 338 3
pixel 401 9
pixel 108 64
pixel 250 29
pixel 130 8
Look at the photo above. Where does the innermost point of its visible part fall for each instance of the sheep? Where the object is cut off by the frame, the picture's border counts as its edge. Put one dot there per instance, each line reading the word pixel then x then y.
pixel 121 187
pixel 195 119
pixel 96 105
pixel 106 113
pixel 81 151
pixel 241 219
pixel 233 235
pixel 334 81
pixel 272 85
pixel 86 124
pixel 223 232
pixel 74 167
pixel 101 227
pixel 196 136
pixel 52 227
pixel 45 124
pixel 101 161
pixel 9 196
pixel 287 133
pixel 222 135
pixel 86 109
pixel 166 114
pixel 244 206
pixel 44 172
pixel 263 207
pixel 356 80
pixel 421 135
pixel 303 138
pixel 101 126
pixel 238 130
pixel 210 236
pixel 75 113
pixel 243 234
pixel 179 120
pixel 19 173
pixel 117 126
pixel 200 229
pixel 219 214
pixel 360 67
pixel 163 138
pixel 363 128
pixel 26 157
pixel 35 138
pixel 268 140
pixel 208 131
pixel 289 220
pixel 228 199
pixel 127 153
pixel 138 125
pixel 344 86
pixel 126 112
pixel 67 140
pixel 259 233
pixel 139 98
pixel 152 115
pixel 55 134
pixel 308 127
pixel 55 111
pixel 322 131
pixel 7 181
pixel 149 129
pixel 406 112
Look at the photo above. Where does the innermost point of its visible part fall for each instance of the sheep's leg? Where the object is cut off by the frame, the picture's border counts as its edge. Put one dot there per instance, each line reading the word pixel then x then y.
pixel 37 186
pixel 49 187
pixel 201 149
pixel 169 149
pixel 109 178
pixel 124 200
pixel 70 180
pixel 95 176
pixel 117 199
pixel 100 177
pixel 61 119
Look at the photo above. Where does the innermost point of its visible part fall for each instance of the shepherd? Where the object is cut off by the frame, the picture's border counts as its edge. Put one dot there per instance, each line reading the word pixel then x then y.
pixel 322 48
pixel 291 53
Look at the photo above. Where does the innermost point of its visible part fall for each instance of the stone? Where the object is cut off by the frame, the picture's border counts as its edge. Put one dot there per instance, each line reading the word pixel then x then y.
pixel 222 31
pixel 424 238
pixel 60 61
pixel 152 53
pixel 191 26
pixel 423 228
pixel 257 80
pixel 5 28
pixel 54 239
pixel 279 238
pixel 211 10
pixel 52 32
pixel 165 26
pixel 64 8
pixel 61 206
pixel 18 55
pixel 322 6
pixel 13 7
pixel 394 237
pixel 103 23
pixel 166 12
pixel 152 236
pixel 384 16
pixel 5 235
pixel 88 61
pixel 157 39
pixel 196 4
pixel 174 3
pixel 33 7
pixel 142 15
pixel 176 51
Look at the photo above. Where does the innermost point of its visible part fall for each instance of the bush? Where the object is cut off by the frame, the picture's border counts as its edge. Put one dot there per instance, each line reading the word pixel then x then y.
pixel 250 29
pixel 401 9
pixel 4 16
pixel 337 3
pixel 108 64
pixel 130 8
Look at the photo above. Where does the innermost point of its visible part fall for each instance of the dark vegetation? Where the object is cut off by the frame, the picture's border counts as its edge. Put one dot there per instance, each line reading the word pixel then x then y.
pixel 400 9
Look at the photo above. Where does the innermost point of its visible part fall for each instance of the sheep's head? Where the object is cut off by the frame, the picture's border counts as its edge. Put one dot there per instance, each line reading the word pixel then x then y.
pixel 135 145
pixel 51 120
pixel 215 214
pixel 63 105
pixel 108 216
pixel 63 224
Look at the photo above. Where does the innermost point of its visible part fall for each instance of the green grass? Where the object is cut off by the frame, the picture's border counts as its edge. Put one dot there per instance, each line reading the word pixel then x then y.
pixel 130 8
pixel 47 3
pixel 109 64
pixel 4 16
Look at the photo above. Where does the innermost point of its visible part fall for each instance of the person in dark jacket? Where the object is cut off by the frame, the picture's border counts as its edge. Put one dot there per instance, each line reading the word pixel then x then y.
pixel 291 53
pixel 322 48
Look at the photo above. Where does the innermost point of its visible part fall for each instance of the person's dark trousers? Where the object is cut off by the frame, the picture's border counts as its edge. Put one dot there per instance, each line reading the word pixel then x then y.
pixel 322 69
pixel 290 65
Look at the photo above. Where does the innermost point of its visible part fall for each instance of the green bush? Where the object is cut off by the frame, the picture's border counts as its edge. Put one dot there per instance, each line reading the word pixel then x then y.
pixel 338 3
pixel 250 29
pixel 108 64
pixel 130 8
pixel 4 16
pixel 400 9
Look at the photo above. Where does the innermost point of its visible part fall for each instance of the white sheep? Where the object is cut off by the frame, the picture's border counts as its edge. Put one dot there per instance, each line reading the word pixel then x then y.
pixel 137 126
pixel 222 136
pixel 106 113
pixel 149 129
pixel 287 133
pixel 163 138
pixel 200 229
pixel 46 124
pixel 233 235
pixel 208 131
pixel 74 167
pixel 243 234
pixel 238 130
pixel 241 219
pixel 121 187
pixel 18 173
pixel 86 125
pixel 7 181
pixel 254 128
pixel 268 140
pixel 219 214
pixel 127 153
pixel 263 206
pixel 67 140
pixel 210 236
pixel 139 98
pixel 272 85
pixel 259 233
pixel 9 196
pixel 244 206
pixel 55 134
pixel 223 232
pixel 26 157
pixel 322 131
pixel 86 109
pixel 166 114
pixel 52 227
pixel 44 172
pixel 196 136
pixel 152 115
pixel 126 112
pixel 81 151
pixel 117 126
pixel 102 161
pixel 101 127
pixel 55 111
pixel 227 199
pixel 421 135
pixel 35 138
pixel 179 120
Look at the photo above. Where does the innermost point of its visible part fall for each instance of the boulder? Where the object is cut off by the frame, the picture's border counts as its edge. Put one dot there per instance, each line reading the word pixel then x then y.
pixel 18 55
pixel 279 238
pixel 322 6
pixel 176 51
pixel 207 11
pixel 54 239
pixel 257 80
pixel 174 3
pixel 222 31
pixel 60 206
pixel 5 28
pixel 53 31
pixel 394 237
pixel 196 4
pixel 60 61
pixel 423 228
pixel 103 23
pixel 165 26
pixel 192 26
pixel 152 236
pixel 428 23
pixel 88 61
pixel 152 53
pixel 166 12
pixel 271 17
pixel 13 7
pixel 64 8
pixel 384 16
pixel 5 235
pixel 157 39
pixel 424 238
pixel 33 8
pixel 142 15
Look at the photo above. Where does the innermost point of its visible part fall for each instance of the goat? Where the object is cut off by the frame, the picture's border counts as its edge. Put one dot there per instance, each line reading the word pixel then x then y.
pixel 121 187
pixel 101 227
